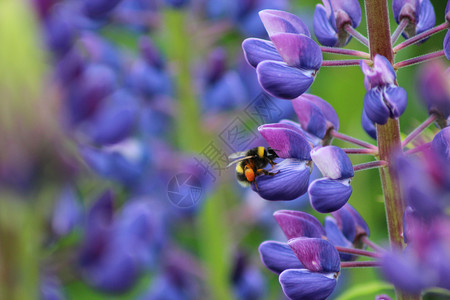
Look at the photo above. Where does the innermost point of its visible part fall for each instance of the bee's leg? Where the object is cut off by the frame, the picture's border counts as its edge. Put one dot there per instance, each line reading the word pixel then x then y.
pixel 265 172
pixel 272 163
pixel 256 185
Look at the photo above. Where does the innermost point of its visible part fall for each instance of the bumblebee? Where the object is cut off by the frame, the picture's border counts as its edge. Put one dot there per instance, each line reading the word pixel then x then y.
pixel 251 163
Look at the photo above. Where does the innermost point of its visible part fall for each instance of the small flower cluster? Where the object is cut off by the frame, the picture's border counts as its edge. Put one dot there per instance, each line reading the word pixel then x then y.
pixel 286 67
pixel 309 263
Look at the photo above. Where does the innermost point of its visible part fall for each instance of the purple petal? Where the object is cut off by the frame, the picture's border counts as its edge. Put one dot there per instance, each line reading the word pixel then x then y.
pixel 433 83
pixel 116 272
pixel 441 143
pixel 447 8
pixel 293 126
pixel 345 222
pixel 67 212
pixel 114 119
pixel 313 140
pixel 298 50
pixel 325 107
pixel 277 21
pixel 99 222
pixel 402 271
pixel 317 255
pixel 351 7
pixel 98 8
pixel 258 50
pixel 310 117
pixel 405 8
pixel 397 100
pixel 278 257
pixel 298 284
pixel 290 183
pixel 336 237
pixel 427 17
pixel 375 108
pixel 348 220
pixel 368 125
pixel 298 224
pixel 286 142
pixel 323 29
pixel 326 195
pixel 332 162
pixel 382 73
pixel 282 81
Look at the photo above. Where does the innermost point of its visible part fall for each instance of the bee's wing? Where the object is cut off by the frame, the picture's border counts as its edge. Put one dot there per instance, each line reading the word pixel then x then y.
pixel 237 155
pixel 238 160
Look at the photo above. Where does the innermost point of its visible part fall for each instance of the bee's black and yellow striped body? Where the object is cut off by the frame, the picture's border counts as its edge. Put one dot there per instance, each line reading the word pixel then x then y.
pixel 252 163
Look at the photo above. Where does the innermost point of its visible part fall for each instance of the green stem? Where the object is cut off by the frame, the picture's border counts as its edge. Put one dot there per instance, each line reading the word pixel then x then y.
pixel 212 230
pixel 179 50
pixel 389 141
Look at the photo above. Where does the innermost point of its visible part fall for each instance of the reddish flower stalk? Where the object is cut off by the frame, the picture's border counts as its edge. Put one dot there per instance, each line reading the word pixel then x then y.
pixel 419 59
pixel 399 30
pixel 420 37
pixel 359 151
pixel 365 239
pixel 358 36
pixel 359 264
pixel 357 252
pixel 417 149
pixel 370 165
pixel 345 52
pixel 352 140
pixel 341 63
pixel 418 130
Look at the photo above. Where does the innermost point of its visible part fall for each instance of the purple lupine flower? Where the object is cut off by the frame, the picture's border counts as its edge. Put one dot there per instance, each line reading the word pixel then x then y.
pixel 419 13
pixel 292 174
pixel 124 162
pixel 116 249
pixel 114 119
pixel 383 99
pixel 331 192
pixel 308 264
pixel 286 65
pixel 426 259
pixel 433 84
pixel 245 14
pixel 351 224
pixel 422 195
pixel 345 228
pixel 50 288
pixel 85 95
pixel 307 267
pixel 97 9
pixel 447 36
pixel 322 266
pixel 246 279
pixel 223 89
pixel 331 18
pixel 368 125
pixel 316 116
pixel 100 51
pixel 441 144
pixel 70 66
pixel 59 32
pixel 67 212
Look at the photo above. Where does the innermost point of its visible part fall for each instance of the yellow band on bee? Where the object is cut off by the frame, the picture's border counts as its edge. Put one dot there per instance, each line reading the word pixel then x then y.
pixel 239 169
pixel 261 152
